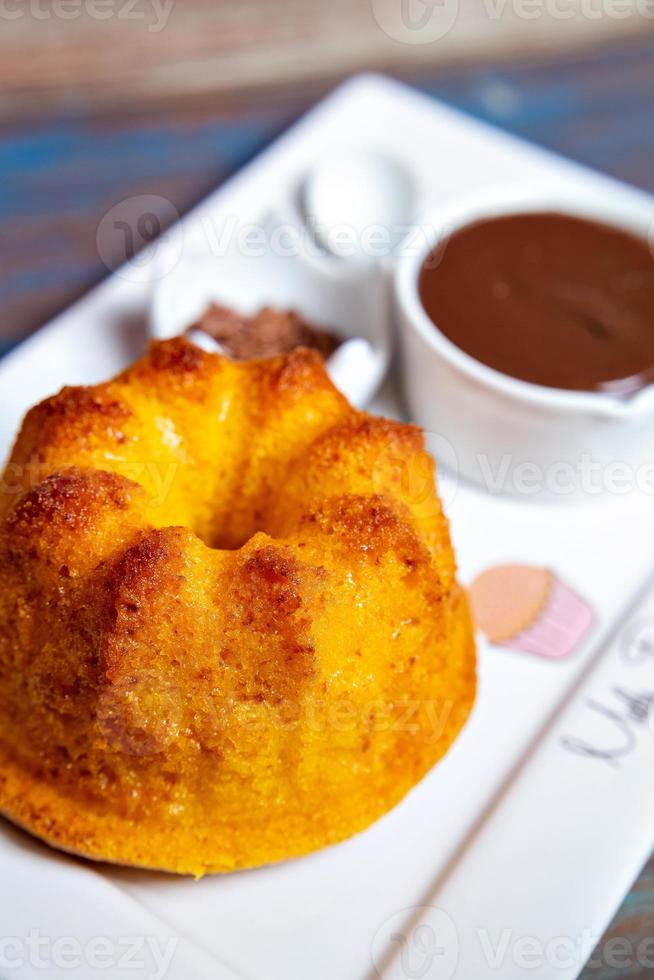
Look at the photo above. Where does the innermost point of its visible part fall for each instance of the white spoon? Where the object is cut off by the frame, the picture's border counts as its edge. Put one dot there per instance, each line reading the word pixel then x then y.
pixel 357 204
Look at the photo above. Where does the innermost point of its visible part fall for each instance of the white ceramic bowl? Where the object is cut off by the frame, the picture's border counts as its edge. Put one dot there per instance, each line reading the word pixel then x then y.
pixel 509 435
pixel 349 298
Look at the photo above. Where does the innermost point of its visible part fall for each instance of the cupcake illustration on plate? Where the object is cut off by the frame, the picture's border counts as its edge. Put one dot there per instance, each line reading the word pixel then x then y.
pixel 528 608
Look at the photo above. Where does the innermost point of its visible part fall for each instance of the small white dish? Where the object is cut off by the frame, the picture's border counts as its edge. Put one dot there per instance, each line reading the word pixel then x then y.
pixel 284 271
pixel 509 435
pixel 317 252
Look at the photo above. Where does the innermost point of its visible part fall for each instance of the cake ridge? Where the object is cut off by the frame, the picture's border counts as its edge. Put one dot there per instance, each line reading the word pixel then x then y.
pixel 220 585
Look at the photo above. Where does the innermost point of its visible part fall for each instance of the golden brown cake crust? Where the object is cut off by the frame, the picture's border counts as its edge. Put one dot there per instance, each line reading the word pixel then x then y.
pixel 230 628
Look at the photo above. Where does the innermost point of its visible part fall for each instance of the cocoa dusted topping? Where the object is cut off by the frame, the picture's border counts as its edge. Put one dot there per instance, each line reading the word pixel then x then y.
pixel 266 334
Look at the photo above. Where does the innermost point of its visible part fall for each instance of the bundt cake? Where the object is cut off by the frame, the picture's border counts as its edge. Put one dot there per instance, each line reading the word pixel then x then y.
pixel 230 628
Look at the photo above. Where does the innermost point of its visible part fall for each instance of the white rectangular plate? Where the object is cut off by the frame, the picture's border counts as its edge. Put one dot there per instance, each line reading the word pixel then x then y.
pixel 514 844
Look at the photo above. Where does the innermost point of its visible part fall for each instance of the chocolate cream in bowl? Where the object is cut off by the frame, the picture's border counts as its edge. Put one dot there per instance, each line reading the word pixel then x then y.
pixel 548 298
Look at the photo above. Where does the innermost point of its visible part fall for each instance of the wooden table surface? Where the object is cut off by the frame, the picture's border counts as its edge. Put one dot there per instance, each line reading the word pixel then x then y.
pixel 146 53
pixel 59 175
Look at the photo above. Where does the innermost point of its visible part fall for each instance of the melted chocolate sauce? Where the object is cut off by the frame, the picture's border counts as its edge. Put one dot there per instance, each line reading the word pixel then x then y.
pixel 548 298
